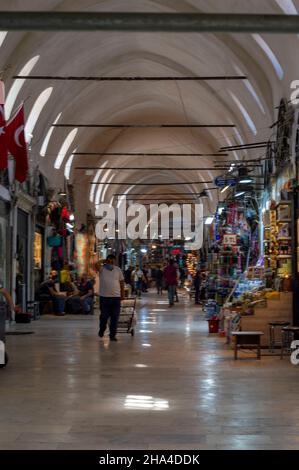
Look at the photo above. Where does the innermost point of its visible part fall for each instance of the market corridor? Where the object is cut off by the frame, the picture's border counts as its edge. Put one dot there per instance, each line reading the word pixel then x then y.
pixel 172 386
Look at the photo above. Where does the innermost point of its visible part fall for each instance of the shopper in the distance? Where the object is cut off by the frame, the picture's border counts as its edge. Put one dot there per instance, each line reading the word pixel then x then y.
pixel 111 293
pixel 197 284
pixel 128 275
pixel 170 276
pixel 138 277
pixel 159 280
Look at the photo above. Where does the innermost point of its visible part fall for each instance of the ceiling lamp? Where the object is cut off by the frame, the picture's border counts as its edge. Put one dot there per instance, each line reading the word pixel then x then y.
pixel 243 175
pixel 225 188
pixel 246 180
pixel 239 193
pixel 209 220
pixel 204 194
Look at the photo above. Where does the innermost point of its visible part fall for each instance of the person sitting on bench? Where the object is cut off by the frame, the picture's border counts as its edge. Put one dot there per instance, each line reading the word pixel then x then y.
pixel 47 293
pixel 86 292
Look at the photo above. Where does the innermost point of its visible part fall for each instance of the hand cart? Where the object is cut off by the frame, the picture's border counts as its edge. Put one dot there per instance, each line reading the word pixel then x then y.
pixel 127 319
pixel 3 317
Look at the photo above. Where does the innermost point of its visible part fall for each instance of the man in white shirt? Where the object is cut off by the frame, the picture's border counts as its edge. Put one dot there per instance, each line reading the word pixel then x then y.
pixel 111 293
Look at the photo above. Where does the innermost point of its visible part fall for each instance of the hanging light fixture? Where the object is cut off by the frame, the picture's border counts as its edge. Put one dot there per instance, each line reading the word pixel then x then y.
pixel 246 180
pixel 225 188
pixel 209 220
pixel 204 194
pixel 239 193
pixel 243 175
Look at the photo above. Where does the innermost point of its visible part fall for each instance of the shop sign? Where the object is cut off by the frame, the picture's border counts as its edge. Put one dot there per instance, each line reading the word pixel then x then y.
pixel 229 239
pixel 222 181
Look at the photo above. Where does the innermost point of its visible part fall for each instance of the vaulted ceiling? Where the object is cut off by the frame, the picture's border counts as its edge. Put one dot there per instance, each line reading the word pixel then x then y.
pixel 269 61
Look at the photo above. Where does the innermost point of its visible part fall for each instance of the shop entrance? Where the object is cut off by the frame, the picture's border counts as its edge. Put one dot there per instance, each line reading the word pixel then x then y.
pixel 22 273
pixel 4 241
pixel 38 256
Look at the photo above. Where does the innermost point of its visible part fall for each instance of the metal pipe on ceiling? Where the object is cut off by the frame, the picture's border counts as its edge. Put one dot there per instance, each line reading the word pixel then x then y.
pixel 163 194
pixel 148 168
pixel 147 126
pixel 152 184
pixel 140 154
pixel 148 22
pixel 130 79
pixel 163 200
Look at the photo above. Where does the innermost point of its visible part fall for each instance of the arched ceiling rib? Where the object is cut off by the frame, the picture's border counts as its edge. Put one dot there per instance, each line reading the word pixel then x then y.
pixel 149 54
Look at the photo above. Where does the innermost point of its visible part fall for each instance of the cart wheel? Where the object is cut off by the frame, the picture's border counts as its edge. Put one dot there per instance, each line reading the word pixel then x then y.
pixel 6 361
pixel 132 332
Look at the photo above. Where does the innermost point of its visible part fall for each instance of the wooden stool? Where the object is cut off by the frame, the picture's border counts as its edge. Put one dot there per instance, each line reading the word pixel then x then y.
pixel 250 339
pixel 288 334
pixel 272 326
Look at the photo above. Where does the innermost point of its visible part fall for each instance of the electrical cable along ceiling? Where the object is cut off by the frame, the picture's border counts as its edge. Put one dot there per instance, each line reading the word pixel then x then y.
pixel 129 122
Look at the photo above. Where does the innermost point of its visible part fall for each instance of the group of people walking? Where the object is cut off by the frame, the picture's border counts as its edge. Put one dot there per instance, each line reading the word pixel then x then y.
pixel 139 279
pixel 79 297
pixel 165 279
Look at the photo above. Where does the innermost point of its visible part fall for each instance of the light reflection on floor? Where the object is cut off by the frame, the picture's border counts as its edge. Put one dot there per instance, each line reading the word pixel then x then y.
pixel 74 391
pixel 140 402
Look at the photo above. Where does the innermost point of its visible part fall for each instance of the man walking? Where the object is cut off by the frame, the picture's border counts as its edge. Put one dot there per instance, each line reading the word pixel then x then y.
pixel 170 276
pixel 159 280
pixel 111 294
pixel 138 277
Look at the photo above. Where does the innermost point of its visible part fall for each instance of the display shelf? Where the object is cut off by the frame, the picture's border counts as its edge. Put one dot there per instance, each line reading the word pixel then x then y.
pixel 284 203
pixel 284 221
pixel 284 238
pixel 283 256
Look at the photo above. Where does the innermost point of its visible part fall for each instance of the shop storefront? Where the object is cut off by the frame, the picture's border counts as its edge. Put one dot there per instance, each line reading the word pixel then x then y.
pixel 5 238
pixel 59 233
pixel 38 256
pixel 252 259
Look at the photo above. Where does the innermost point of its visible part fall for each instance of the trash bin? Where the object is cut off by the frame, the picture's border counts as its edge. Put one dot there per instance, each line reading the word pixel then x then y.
pixel 3 316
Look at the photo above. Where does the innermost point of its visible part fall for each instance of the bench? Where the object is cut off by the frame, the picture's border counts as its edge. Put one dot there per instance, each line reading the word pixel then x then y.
pixel 250 339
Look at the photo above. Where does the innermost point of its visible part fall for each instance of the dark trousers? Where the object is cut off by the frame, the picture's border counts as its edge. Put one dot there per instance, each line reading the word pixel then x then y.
pixel 110 308
pixel 197 295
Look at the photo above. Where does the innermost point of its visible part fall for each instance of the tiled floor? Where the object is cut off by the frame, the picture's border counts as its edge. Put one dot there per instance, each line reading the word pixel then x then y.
pixel 172 386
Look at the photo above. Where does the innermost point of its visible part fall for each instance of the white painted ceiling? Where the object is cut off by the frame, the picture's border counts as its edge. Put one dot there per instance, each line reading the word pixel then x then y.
pixel 269 61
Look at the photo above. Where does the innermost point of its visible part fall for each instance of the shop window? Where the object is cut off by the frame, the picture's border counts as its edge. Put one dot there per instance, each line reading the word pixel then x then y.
pixel 64 148
pixel 17 85
pixel 38 245
pixel 4 243
pixel 48 137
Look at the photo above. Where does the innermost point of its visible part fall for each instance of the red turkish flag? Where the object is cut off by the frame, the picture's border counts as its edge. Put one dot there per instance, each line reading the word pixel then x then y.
pixel 16 143
pixel 3 145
